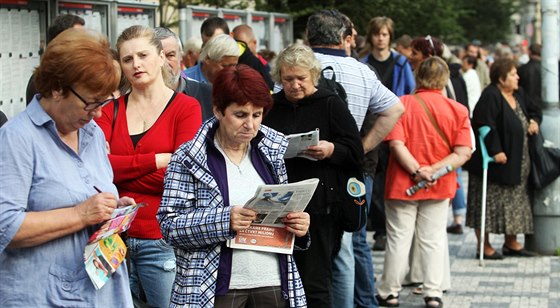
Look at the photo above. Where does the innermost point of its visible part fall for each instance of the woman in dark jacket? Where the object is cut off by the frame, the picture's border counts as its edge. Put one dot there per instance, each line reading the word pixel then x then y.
pixel 300 107
pixel 511 116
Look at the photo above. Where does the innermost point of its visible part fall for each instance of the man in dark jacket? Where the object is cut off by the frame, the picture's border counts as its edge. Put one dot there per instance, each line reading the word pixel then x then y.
pixel 530 75
pixel 173 50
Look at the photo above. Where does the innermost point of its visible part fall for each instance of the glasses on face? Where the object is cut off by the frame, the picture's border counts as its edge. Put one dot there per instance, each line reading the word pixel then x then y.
pixel 429 39
pixel 91 105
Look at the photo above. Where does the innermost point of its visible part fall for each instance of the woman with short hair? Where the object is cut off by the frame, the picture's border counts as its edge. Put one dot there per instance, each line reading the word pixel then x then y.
pixel 299 108
pixel 208 181
pixel 54 162
pixel 512 116
pixel 418 150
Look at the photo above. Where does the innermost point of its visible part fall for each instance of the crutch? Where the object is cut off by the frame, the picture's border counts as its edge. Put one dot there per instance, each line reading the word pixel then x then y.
pixel 486 159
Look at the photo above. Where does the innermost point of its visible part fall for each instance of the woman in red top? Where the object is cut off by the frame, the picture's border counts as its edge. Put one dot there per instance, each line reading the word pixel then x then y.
pixel 417 152
pixel 151 122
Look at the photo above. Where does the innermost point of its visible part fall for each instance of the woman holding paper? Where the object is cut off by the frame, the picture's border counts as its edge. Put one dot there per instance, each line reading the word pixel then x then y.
pixel 52 155
pixel 300 108
pixel 433 133
pixel 208 180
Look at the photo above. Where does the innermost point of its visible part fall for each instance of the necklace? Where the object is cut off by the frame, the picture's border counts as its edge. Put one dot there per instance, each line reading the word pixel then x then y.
pixel 237 165
pixel 145 125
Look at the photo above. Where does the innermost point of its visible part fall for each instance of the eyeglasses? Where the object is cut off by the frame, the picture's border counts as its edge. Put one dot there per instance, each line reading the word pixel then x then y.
pixel 429 39
pixel 91 105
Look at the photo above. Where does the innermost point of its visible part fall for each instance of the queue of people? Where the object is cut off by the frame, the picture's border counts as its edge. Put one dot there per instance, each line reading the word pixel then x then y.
pixel 194 149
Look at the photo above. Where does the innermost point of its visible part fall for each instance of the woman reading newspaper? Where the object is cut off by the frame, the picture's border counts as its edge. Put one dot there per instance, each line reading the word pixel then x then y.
pixel 208 180
pixel 301 107
pixel 53 161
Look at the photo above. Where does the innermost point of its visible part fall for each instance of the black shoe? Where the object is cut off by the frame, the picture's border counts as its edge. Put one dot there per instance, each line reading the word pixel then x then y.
pixel 455 229
pixel 495 256
pixel 380 243
pixel 384 302
pixel 517 253
pixel 427 300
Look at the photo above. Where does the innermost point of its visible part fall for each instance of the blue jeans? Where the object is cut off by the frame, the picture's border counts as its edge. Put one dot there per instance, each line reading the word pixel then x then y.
pixel 343 274
pixel 364 281
pixel 152 269
pixel 458 204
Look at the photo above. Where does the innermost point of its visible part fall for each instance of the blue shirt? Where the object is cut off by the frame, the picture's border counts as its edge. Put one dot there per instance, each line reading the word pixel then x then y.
pixel 40 173
pixel 195 72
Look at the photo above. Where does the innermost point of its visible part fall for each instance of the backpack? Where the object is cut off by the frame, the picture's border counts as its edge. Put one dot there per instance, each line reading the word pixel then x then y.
pixel 332 85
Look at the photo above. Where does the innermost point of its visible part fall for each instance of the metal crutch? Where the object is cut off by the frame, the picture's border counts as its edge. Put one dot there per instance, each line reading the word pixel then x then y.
pixel 486 159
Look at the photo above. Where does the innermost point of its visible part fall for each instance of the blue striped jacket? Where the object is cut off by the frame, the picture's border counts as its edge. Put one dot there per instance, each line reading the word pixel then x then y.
pixel 195 220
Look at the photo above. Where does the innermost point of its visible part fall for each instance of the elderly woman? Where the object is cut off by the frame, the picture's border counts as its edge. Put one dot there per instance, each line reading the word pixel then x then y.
pixel 420 147
pixel 301 107
pixel 151 122
pixel 219 52
pixel 511 116
pixel 208 181
pixel 53 159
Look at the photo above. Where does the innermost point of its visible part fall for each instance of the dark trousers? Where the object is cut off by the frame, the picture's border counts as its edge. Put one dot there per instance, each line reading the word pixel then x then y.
pixel 315 264
pixel 377 215
pixel 252 298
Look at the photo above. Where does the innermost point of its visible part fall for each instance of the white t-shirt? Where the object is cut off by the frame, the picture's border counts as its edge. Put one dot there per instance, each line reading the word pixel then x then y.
pixel 249 269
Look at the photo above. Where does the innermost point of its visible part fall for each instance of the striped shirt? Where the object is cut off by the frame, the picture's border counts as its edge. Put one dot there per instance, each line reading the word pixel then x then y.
pixel 363 89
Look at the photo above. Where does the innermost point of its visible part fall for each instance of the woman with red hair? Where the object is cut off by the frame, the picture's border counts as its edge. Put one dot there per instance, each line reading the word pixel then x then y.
pixel 208 180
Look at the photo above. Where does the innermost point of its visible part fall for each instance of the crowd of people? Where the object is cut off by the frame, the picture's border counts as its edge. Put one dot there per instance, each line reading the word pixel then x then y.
pixel 192 131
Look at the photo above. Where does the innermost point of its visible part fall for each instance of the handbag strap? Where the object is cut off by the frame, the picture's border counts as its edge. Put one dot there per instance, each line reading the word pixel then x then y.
pixel 433 120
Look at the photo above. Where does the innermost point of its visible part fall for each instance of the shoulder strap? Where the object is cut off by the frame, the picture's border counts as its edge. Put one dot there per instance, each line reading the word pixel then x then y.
pixel 115 113
pixel 433 120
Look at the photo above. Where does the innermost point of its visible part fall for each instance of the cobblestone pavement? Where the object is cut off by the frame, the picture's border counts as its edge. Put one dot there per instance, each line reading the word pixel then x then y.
pixel 508 283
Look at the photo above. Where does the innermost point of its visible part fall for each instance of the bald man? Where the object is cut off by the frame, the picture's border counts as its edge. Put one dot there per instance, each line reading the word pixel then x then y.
pixel 245 37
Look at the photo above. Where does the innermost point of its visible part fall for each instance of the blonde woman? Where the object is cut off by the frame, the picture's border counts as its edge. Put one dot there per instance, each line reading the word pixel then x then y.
pixel 151 122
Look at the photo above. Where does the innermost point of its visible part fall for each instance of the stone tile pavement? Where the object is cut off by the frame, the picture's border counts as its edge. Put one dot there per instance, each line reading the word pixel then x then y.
pixel 508 283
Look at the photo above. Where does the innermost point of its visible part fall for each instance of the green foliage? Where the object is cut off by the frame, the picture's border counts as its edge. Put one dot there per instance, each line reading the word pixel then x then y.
pixel 454 21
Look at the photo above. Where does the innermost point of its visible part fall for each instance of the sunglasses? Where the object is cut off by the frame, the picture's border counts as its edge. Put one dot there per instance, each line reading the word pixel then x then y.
pixel 429 39
pixel 91 105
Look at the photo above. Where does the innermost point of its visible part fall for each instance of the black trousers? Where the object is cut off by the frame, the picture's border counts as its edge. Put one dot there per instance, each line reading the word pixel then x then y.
pixel 315 264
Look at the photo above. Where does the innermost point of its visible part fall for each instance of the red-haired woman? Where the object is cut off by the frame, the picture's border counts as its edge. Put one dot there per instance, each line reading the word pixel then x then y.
pixel 207 182
pixel 53 159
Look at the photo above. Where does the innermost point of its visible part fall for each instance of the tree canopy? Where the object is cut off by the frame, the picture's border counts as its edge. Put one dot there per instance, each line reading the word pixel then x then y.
pixel 454 21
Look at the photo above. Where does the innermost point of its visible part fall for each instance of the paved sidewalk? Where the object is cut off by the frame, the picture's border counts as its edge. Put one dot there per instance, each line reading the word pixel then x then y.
pixel 512 282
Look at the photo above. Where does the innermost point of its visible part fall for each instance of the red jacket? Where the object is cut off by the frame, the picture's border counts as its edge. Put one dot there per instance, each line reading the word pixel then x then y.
pixel 135 169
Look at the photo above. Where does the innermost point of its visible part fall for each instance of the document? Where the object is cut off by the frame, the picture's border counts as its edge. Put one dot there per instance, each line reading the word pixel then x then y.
pixel 300 142
pixel 272 203
pixel 106 250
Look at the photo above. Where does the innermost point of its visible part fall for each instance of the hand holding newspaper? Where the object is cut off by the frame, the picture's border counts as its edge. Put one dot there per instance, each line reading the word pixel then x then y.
pixel 106 250
pixel 300 142
pixel 438 174
pixel 272 203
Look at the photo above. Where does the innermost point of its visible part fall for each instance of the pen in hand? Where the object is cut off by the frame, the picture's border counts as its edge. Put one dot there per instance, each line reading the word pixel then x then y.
pixel 97 189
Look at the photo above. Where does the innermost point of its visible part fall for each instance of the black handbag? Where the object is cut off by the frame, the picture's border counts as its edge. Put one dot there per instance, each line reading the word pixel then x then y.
pixel 545 162
pixel 353 208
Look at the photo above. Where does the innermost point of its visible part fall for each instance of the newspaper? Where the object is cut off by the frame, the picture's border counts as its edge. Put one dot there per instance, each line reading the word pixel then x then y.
pixel 300 142
pixel 272 203
pixel 106 250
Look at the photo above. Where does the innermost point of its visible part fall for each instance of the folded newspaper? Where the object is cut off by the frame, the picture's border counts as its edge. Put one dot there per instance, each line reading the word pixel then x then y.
pixel 106 250
pixel 300 142
pixel 272 203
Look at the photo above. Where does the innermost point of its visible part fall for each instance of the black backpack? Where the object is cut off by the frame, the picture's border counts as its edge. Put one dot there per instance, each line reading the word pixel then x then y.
pixel 331 84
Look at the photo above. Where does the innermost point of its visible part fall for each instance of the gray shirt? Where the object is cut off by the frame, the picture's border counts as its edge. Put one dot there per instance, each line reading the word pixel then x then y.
pixel 40 173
